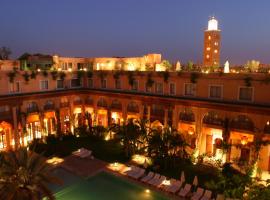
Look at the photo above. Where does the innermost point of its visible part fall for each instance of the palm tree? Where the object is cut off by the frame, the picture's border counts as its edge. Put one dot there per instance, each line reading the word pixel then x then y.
pixel 25 175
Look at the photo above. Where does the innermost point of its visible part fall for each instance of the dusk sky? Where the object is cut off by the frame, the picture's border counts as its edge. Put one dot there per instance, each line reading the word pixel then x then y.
pixel 97 28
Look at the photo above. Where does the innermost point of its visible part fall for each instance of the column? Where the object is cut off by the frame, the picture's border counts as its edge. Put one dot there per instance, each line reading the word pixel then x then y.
pixel 109 117
pixel 148 112
pixel 201 138
pixel 165 117
pixel 175 118
pixel 15 127
pixel 141 109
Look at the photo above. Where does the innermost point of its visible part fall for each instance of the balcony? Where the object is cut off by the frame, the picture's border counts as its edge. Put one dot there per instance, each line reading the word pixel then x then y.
pixel 49 107
pixel 32 109
pixel 187 117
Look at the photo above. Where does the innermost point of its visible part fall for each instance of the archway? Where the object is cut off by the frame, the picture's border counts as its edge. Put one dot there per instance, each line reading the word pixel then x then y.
pixel 5 136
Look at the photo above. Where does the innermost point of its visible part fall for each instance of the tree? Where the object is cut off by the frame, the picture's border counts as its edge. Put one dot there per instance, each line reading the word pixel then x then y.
pixel 259 191
pixel 4 53
pixel 167 65
pixel 25 175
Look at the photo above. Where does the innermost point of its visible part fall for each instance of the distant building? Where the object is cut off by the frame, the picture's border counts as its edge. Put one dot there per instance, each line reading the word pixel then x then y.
pixel 211 55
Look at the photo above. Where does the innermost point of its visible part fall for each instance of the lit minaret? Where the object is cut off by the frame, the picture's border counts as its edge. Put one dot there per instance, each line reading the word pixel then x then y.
pixel 211 54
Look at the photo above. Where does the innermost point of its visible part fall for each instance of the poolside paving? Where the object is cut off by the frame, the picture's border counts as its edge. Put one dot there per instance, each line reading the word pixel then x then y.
pixel 84 167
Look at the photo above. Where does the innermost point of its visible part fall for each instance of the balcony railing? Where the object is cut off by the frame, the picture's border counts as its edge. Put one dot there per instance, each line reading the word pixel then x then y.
pixel 49 107
pixel 32 109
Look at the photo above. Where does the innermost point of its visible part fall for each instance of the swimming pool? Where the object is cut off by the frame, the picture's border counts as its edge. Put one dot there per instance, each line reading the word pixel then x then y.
pixel 105 186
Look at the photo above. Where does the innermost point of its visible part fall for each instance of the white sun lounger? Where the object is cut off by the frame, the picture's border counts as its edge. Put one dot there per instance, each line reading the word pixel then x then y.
pixel 148 177
pixel 139 173
pixel 133 171
pixel 154 179
pixel 198 194
pixel 175 187
pixel 172 182
pixel 159 181
pixel 184 191
pixel 207 195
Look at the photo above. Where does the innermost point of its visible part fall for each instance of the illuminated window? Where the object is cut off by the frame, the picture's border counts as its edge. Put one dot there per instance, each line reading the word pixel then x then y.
pixel 159 88
pixel 245 93
pixel 216 51
pixel 207 56
pixel 208 48
pixel 117 83
pixel 209 37
pixel 44 85
pixel 216 43
pixel 172 88
pixel 215 91
pixel 104 83
pixel 135 85
pixel 190 89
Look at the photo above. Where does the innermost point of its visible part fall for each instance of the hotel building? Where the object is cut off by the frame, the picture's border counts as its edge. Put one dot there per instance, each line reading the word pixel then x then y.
pixel 207 108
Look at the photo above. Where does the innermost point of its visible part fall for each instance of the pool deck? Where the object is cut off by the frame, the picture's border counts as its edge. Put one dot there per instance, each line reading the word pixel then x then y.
pixel 84 167
pixel 87 167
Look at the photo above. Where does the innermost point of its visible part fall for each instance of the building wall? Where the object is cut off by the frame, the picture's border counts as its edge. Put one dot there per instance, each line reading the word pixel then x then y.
pixel 75 102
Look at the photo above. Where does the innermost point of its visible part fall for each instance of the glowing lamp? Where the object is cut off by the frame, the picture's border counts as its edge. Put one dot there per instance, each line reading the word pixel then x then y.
pixel 244 140
pixel 212 24
pixel 190 131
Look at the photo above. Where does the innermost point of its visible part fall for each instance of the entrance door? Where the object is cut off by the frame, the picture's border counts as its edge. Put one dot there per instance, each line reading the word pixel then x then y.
pixel 245 154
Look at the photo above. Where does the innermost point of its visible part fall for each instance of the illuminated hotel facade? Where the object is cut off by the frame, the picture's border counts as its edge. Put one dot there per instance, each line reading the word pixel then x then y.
pixel 207 108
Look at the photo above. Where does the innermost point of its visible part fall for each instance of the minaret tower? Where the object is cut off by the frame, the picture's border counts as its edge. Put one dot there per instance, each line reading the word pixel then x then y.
pixel 211 54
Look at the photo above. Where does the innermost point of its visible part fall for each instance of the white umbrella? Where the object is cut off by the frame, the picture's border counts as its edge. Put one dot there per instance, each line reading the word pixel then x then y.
pixel 182 177
pixel 195 181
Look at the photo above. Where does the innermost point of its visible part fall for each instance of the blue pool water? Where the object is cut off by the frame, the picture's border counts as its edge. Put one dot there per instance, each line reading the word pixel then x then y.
pixel 102 186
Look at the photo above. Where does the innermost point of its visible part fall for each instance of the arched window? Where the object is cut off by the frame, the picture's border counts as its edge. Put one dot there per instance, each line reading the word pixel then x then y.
pixel 77 100
pixel 116 105
pixel 89 101
pixel 213 118
pixel 32 107
pixel 242 122
pixel 49 105
pixel 187 115
pixel 133 107
pixel 102 103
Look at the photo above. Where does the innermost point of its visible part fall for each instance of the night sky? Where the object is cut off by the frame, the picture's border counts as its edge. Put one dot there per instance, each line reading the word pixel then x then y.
pixel 96 28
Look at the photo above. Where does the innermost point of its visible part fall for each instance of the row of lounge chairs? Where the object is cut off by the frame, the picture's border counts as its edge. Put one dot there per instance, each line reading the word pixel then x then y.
pixel 171 186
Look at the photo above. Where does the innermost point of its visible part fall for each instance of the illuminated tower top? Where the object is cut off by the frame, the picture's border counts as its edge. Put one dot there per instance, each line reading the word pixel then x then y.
pixel 212 24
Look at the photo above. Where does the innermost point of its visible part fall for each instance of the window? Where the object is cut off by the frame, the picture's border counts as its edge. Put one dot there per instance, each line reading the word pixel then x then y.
pixel 70 65
pixel 172 88
pixel 159 88
pixel 190 89
pixel 246 93
pixel 60 84
pixel 148 88
pixel 75 82
pixel 117 83
pixel 135 85
pixel 4 109
pixel 44 85
pixel 103 83
pixel 90 83
pixel 215 91
pixel 15 87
